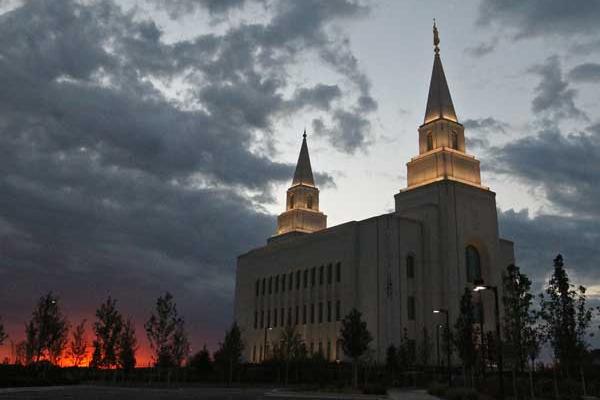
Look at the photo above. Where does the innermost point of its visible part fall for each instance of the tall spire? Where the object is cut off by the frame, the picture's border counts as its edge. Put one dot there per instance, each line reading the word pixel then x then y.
pixel 303 174
pixel 439 101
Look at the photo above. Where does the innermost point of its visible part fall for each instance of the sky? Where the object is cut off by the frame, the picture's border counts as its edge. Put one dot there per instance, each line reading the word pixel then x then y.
pixel 146 143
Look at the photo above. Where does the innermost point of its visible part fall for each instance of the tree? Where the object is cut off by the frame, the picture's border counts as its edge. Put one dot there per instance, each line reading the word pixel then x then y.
pixel 127 347
pixel 355 339
pixel 565 318
pixel 464 338
pixel 3 335
pixel 291 347
pixel 406 352
pixel 78 345
pixel 229 354
pixel 201 362
pixel 47 331
pixel 108 328
pixel 425 348
pixel 391 359
pixel 166 334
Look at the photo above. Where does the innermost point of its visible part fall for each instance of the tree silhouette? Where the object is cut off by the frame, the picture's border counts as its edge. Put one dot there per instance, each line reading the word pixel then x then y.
pixel 3 335
pixel 355 339
pixel 201 362
pixel 47 331
pixel 107 328
pixel 166 334
pixel 229 354
pixel 290 348
pixel 127 347
pixel 464 338
pixel 78 346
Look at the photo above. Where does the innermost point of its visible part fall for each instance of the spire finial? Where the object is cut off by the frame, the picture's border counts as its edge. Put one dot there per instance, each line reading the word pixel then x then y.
pixel 304 134
pixel 436 38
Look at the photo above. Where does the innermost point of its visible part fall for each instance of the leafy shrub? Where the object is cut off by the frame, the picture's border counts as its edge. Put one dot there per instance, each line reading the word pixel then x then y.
pixel 437 389
pixel 461 394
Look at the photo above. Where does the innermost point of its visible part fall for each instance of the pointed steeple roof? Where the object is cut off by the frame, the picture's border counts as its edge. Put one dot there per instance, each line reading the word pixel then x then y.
pixel 439 101
pixel 303 174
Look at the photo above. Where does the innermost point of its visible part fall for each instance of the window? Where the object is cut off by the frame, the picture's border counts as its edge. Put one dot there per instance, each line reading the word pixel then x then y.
pixel 291 281
pixel 473 264
pixel 262 319
pixel 454 140
pixel 282 318
pixel 338 311
pixel 257 287
pixel 277 284
pixel 297 321
pixel 304 314
pixel 411 308
pixel 309 202
pixel 321 348
pixel 264 286
pixel 312 313
pixel 270 285
pixel 329 274
pixel 313 276
pixel 329 311
pixel 291 201
pixel 298 280
pixel 289 317
pixel 254 354
pixel 321 274
pixel 275 317
pixel 260 353
pixel 283 282
pixel 255 319
pixel 429 141
pixel 305 280
pixel 312 347
pixel 268 318
pixel 328 350
pixel 338 272
pixel 410 266
pixel 320 312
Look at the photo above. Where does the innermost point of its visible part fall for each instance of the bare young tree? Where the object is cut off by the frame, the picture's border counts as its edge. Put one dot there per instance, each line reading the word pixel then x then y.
pixel 47 331
pixel 166 333
pixel 79 345
pixel 3 335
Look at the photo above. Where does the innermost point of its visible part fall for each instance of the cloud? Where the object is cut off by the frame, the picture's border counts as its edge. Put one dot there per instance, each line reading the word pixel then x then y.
pixel 586 73
pixel 347 131
pixel 115 182
pixel 565 167
pixel 178 8
pixel 482 48
pixel 542 17
pixel 488 125
pixel 553 96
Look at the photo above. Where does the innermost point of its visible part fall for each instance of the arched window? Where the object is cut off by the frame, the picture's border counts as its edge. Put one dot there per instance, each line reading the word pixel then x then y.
pixel 309 202
pixel 429 141
pixel 454 140
pixel 291 201
pixel 473 264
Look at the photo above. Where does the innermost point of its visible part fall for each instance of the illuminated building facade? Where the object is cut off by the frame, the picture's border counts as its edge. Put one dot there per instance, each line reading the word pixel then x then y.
pixel 395 268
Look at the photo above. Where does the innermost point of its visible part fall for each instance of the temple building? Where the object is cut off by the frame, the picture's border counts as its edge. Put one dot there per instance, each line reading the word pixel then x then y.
pixel 395 268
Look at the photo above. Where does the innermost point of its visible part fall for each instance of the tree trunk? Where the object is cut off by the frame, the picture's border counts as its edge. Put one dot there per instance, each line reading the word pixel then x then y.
pixel 355 373
pixel 555 379
pixel 531 387
pixel 582 380
pixel 287 371
pixel 514 382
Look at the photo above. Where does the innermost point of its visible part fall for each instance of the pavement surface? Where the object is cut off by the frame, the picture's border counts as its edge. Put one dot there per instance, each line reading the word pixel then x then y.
pixel 190 393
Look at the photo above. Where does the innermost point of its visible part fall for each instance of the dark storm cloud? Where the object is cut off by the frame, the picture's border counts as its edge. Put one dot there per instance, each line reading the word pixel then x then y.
pixel 539 239
pixel 542 17
pixel 178 8
pixel 585 73
pixel 110 187
pixel 488 125
pixel 565 167
pixel 553 96
pixel 347 132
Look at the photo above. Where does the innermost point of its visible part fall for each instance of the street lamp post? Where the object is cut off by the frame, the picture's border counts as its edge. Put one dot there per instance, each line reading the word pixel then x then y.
pixel 437 336
pixel 443 311
pixel 479 287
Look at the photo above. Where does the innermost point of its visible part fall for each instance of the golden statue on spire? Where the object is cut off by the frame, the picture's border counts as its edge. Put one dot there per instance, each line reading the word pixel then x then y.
pixel 436 38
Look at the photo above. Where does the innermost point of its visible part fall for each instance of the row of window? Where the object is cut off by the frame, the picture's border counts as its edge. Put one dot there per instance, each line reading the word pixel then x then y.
pixel 274 284
pixel 310 315
pixel 453 141
pixel 264 353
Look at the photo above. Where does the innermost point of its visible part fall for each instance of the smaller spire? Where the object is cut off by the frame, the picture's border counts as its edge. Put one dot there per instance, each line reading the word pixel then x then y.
pixel 303 174
pixel 436 38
